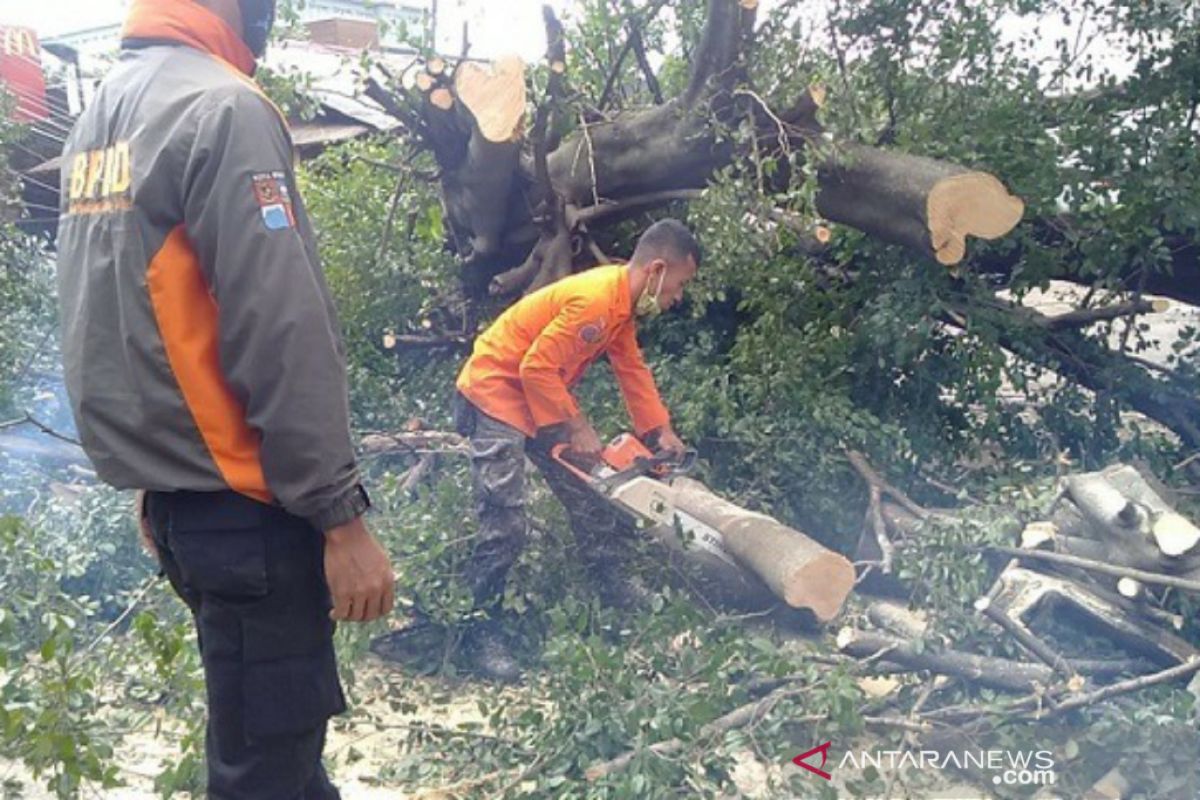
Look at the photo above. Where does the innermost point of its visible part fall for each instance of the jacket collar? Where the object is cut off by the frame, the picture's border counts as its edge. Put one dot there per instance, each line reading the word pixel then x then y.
pixel 189 23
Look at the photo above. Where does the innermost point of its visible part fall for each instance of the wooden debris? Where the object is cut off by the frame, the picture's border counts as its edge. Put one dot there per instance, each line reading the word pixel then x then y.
pixel 495 97
pixel 897 620
pixel 993 672
pixel 1096 566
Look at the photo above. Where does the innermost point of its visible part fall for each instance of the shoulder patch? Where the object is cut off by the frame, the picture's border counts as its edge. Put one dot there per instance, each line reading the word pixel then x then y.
pixel 274 202
pixel 592 332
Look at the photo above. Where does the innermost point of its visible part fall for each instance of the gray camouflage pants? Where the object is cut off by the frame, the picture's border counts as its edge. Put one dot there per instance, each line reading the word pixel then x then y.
pixel 603 533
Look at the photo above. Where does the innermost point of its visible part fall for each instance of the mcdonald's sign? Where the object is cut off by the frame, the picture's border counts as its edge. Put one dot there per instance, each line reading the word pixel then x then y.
pixel 21 72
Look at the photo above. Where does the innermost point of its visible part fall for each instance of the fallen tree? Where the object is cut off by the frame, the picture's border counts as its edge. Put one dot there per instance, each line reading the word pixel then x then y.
pixel 522 210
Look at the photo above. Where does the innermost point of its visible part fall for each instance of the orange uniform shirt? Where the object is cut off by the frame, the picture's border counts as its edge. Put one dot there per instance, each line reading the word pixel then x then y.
pixel 523 366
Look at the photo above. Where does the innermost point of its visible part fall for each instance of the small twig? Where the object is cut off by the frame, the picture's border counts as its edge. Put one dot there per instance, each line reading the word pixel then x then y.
pixel 639 52
pixel 860 464
pixel 910 725
pixel 450 733
pixel 602 209
pixel 393 206
pixel 1126 686
pixel 1083 317
pixel 587 137
pixel 147 585
pixel 780 125
pixel 1193 458
pixel 1095 566
pixel 46 429
pixel 738 718
pixel 875 519
pixel 646 17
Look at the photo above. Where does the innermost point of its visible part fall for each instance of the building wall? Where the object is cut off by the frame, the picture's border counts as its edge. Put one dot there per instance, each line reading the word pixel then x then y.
pixel 100 43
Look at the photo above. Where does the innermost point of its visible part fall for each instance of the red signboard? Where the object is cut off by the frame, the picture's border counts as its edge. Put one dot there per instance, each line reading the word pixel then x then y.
pixel 21 72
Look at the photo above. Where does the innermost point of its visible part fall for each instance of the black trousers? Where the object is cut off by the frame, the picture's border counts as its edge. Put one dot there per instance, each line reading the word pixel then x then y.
pixel 253 576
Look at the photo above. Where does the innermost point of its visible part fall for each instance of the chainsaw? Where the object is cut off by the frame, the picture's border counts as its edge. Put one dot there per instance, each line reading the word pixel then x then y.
pixel 628 475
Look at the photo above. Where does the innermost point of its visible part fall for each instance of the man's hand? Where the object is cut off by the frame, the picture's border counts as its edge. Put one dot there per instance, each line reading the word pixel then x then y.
pixel 584 440
pixel 668 442
pixel 358 573
pixel 145 534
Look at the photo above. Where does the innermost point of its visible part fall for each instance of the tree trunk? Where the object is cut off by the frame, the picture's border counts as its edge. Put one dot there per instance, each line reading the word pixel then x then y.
pixel 927 205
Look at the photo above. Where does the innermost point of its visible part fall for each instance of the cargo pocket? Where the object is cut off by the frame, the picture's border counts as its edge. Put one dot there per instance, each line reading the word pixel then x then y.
pixel 498 471
pixel 218 540
pixel 290 696
pixel 228 564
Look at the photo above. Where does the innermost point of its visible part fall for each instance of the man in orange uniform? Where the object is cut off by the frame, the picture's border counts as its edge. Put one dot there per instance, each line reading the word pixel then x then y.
pixel 514 401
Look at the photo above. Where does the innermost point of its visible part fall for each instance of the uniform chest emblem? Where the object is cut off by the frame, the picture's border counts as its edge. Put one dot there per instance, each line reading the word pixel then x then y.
pixel 592 332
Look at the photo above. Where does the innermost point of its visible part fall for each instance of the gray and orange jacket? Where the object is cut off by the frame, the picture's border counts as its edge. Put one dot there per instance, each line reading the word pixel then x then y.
pixel 200 342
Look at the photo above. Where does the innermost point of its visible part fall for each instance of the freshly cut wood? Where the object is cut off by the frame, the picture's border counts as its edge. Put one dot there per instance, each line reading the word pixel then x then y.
pixel 1174 534
pixel 442 98
pixel 424 81
pixel 495 97
pixel 1038 533
pixel 1128 587
pixel 797 569
pixel 997 673
pixel 436 65
pixel 929 205
pixel 1105 506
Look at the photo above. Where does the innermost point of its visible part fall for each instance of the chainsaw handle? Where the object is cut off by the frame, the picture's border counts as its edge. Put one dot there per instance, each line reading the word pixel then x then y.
pixel 559 453
pixel 687 462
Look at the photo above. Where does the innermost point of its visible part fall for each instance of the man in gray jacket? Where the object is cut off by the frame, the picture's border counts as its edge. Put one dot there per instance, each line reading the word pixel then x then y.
pixel 205 367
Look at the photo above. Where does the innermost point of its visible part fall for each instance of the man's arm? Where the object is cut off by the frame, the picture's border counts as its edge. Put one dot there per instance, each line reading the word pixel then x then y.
pixel 642 400
pixel 280 350
pixel 575 334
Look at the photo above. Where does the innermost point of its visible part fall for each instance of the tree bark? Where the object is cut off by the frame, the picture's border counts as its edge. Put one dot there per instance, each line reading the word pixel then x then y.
pixel 928 205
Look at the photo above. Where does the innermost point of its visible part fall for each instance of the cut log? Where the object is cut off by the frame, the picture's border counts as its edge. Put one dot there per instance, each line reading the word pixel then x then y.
pixel 441 98
pixel 925 204
pixel 996 673
pixel 495 97
pixel 797 569
pixel 1174 535
pixel 1036 534
pixel 436 66
pixel 1131 514
pixel 424 81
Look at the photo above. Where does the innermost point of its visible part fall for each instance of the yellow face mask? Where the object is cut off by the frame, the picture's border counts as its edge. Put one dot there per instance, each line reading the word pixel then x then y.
pixel 647 304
